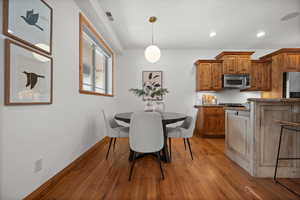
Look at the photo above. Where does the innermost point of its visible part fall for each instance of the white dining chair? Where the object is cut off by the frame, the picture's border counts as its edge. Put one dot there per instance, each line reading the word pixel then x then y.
pixel 184 131
pixel 114 131
pixel 146 136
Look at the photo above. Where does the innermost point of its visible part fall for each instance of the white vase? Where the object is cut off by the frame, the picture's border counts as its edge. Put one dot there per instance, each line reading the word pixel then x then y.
pixel 159 106
pixel 149 106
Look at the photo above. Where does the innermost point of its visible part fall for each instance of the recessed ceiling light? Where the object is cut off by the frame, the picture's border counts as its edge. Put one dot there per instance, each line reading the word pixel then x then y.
pixel 260 34
pixel 212 34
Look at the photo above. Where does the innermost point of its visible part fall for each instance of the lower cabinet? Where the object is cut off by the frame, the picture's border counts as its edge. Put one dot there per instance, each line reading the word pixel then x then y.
pixel 210 121
pixel 237 140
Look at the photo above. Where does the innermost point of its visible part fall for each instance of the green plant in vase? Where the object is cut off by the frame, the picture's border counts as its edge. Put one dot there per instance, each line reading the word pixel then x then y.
pixel 151 93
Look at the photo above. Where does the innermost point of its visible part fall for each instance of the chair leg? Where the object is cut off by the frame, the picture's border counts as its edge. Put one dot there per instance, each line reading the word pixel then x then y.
pixel 110 141
pixel 115 143
pixel 170 144
pixel 278 152
pixel 132 166
pixel 184 143
pixel 159 162
pixel 188 141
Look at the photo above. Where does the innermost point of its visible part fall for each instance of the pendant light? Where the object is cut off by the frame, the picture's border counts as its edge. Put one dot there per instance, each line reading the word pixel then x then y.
pixel 152 52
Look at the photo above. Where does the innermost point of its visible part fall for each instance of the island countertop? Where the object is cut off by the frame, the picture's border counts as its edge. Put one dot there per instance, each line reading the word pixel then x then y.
pixel 237 108
pixel 207 105
pixel 275 100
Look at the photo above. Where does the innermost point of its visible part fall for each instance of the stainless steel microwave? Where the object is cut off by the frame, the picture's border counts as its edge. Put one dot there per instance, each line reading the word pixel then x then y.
pixel 236 81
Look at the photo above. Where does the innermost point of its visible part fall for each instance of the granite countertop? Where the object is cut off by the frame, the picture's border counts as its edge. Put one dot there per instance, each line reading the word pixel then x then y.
pixel 274 100
pixel 237 108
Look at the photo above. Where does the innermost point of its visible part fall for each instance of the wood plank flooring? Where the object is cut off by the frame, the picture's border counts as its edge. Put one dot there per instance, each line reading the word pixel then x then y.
pixel 210 176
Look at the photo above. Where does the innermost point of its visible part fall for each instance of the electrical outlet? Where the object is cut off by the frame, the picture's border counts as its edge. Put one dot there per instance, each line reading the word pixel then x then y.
pixel 38 165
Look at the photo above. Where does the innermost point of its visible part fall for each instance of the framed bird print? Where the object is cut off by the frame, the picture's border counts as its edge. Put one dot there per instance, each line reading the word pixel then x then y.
pixel 29 22
pixel 28 75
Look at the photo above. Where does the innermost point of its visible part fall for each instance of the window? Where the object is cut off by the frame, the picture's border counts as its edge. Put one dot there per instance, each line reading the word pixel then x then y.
pixel 96 62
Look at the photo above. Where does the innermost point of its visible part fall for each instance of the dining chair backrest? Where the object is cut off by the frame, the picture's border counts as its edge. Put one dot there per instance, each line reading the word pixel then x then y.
pixel 146 132
pixel 109 123
pixel 189 125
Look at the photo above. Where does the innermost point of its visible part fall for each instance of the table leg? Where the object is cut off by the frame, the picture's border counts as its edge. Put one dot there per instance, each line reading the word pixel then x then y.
pixel 165 151
pixel 131 154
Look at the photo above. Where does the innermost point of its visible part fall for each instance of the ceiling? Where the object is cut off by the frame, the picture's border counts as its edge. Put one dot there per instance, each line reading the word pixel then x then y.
pixel 186 24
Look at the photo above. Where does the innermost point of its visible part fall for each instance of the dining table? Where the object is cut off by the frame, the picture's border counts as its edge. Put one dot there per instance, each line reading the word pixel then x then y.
pixel 167 119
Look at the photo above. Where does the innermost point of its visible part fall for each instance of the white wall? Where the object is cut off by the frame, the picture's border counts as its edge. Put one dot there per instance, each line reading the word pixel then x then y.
pixel 56 133
pixel 178 77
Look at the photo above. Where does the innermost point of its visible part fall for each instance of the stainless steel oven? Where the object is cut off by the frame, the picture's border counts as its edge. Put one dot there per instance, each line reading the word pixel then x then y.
pixel 236 81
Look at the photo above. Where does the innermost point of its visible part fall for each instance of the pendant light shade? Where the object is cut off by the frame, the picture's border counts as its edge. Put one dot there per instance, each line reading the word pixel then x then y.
pixel 152 52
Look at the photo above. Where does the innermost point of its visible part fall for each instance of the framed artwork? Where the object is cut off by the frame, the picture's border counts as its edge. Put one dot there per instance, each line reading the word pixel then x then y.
pixel 96 60
pixel 153 81
pixel 28 75
pixel 29 22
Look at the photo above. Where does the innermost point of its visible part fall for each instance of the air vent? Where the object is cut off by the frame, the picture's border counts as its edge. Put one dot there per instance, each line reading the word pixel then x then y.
pixel 109 16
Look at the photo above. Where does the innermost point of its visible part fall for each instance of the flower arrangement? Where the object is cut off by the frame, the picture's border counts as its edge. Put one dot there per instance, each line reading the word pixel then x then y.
pixel 149 93
pixel 152 89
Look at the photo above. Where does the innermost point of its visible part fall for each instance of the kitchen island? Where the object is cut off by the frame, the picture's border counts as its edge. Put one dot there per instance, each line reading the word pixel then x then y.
pixel 252 136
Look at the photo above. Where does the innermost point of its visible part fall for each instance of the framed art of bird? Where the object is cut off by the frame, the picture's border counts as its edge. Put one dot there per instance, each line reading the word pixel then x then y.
pixel 29 22
pixel 28 75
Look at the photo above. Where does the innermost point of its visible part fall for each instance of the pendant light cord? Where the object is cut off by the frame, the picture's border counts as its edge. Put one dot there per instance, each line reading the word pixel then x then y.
pixel 152 34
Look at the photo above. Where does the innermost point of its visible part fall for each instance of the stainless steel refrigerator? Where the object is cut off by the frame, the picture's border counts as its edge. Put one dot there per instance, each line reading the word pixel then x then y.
pixel 291 85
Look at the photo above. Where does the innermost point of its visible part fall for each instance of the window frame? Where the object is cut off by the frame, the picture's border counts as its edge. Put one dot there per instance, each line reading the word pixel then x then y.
pixel 84 23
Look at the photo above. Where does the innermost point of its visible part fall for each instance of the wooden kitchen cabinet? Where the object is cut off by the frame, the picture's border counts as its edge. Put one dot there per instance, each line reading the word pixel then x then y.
pixel 216 70
pixel 260 75
pixel 235 62
pixel 283 60
pixel 243 64
pixel 229 64
pixel 210 121
pixel 291 62
pixel 209 75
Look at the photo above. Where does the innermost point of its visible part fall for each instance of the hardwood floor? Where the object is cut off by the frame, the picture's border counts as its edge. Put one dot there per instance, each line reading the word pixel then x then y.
pixel 211 175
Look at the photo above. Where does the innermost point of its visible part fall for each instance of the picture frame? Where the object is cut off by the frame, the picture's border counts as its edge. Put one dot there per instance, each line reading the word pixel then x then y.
pixel 29 22
pixel 28 75
pixel 152 78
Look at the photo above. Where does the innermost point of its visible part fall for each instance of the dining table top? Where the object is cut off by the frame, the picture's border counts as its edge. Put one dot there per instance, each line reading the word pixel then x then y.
pixel 167 117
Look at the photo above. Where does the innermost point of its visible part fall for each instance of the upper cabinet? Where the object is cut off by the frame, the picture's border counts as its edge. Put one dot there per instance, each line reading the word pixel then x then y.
pixel 209 75
pixel 265 74
pixel 283 60
pixel 235 62
pixel 260 75
pixel 292 62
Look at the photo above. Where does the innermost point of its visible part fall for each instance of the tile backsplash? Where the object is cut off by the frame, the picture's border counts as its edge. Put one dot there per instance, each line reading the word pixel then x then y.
pixel 229 96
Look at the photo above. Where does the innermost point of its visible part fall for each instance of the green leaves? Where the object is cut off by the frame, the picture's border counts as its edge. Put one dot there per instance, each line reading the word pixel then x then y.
pixel 138 92
pixel 150 91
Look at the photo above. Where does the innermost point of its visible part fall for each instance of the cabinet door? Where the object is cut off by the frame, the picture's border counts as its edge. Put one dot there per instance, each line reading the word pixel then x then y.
pixel 266 77
pixel 216 76
pixel 259 80
pixel 253 76
pixel 237 135
pixel 243 64
pixel 229 64
pixel 214 122
pixel 292 62
pixel 204 76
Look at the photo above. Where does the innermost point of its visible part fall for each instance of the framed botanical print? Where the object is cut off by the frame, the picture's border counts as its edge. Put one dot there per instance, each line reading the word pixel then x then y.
pixel 152 80
pixel 28 75
pixel 29 22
